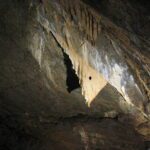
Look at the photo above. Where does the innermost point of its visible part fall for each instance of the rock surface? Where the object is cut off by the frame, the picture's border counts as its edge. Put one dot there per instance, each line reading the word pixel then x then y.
pixel 37 69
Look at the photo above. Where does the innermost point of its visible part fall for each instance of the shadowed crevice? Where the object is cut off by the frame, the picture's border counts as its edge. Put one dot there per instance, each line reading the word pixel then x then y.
pixel 72 80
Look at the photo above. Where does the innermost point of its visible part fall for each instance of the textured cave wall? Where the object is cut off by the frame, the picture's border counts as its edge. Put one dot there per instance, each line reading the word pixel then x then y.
pixel 36 110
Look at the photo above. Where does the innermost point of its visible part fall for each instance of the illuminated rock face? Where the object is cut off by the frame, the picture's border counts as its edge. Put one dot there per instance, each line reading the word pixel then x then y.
pixel 41 43
pixel 90 80
pixel 77 28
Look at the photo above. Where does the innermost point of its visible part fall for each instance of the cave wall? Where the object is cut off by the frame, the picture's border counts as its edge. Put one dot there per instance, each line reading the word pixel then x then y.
pixel 37 112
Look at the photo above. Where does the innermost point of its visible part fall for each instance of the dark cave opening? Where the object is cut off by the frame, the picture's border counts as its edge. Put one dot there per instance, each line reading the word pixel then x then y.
pixel 72 81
